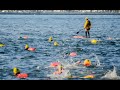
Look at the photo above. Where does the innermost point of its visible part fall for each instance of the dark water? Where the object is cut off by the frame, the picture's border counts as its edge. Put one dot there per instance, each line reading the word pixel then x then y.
pixel 39 28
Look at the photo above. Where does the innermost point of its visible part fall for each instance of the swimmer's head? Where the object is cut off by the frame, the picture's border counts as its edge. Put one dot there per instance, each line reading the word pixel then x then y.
pixel 26 46
pixel 60 66
pixel 86 18
pixel 16 71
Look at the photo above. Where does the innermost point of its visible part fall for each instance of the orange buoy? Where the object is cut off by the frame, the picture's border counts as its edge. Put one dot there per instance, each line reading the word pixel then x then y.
pixel 54 64
pixel 31 49
pixel 25 37
pixel 89 76
pixel 87 62
pixel 22 75
pixel 73 54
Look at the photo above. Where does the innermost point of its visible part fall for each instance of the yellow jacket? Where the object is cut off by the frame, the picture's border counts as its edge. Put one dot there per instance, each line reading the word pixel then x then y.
pixel 87 24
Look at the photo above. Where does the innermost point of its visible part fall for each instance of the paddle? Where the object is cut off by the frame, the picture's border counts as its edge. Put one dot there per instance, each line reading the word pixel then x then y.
pixel 79 31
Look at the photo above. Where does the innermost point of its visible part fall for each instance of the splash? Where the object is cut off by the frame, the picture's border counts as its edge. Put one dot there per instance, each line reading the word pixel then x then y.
pixel 98 61
pixel 111 74
pixel 65 74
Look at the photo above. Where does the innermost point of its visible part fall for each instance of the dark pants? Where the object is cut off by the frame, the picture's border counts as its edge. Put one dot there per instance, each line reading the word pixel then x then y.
pixel 87 33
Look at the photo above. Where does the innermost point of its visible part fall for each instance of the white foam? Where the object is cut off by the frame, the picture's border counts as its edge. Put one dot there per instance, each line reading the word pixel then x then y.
pixel 65 74
pixel 111 74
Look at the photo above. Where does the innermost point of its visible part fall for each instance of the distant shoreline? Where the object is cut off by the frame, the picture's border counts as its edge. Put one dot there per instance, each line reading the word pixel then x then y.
pixel 59 14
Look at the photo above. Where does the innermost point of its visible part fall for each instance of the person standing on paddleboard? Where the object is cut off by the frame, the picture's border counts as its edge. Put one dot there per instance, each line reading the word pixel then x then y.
pixel 87 26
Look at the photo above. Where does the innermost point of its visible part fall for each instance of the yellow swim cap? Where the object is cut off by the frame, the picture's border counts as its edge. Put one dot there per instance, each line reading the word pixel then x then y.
pixel 26 46
pixel 56 43
pixel 1 45
pixel 87 62
pixel 94 41
pixel 50 39
pixel 16 71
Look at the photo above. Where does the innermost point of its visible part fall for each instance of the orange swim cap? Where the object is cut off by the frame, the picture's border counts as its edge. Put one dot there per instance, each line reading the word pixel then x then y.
pixel 87 62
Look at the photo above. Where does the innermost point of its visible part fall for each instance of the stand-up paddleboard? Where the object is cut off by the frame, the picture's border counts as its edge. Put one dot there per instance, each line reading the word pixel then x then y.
pixel 81 37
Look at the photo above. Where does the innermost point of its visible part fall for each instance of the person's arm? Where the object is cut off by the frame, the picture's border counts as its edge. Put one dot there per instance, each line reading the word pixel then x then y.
pixel 85 24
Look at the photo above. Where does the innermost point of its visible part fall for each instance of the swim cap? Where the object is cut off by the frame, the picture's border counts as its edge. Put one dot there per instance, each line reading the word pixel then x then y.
pixel 94 41
pixel 50 39
pixel 87 62
pixel 16 71
pixel 26 46
pixel 1 45
pixel 60 66
pixel 56 43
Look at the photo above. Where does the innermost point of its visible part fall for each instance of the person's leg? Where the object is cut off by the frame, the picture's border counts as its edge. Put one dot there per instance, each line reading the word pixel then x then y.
pixel 88 34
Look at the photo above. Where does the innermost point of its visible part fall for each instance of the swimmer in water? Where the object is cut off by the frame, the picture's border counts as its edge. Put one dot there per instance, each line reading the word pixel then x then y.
pixel 86 63
pixel 29 48
pixel 59 69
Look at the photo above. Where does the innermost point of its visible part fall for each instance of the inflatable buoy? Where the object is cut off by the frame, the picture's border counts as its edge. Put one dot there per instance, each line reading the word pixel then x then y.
pixel 87 62
pixel 73 54
pixel 1 45
pixel 25 37
pixel 22 75
pixel 56 43
pixel 94 41
pixel 31 49
pixel 50 39
pixel 16 71
pixel 54 64
pixel 89 76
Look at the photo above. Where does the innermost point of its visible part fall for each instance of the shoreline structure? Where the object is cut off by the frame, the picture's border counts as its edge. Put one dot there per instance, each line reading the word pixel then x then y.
pixel 61 12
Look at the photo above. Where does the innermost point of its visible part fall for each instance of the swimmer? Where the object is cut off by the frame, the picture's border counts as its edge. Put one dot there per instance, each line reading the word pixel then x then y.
pixel 29 48
pixel 24 37
pixel 59 69
pixel 18 74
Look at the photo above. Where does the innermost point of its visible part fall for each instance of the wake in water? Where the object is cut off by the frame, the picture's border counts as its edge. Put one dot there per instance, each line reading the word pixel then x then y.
pixel 98 61
pixel 111 74
pixel 63 75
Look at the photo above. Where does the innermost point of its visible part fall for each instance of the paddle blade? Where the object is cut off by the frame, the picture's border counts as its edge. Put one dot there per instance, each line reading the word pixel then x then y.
pixel 77 32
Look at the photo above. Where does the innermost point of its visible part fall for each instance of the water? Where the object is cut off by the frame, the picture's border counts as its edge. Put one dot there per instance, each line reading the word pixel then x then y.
pixel 62 28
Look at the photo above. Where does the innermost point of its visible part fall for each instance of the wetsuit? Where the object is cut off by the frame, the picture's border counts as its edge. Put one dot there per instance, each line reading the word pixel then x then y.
pixel 87 26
